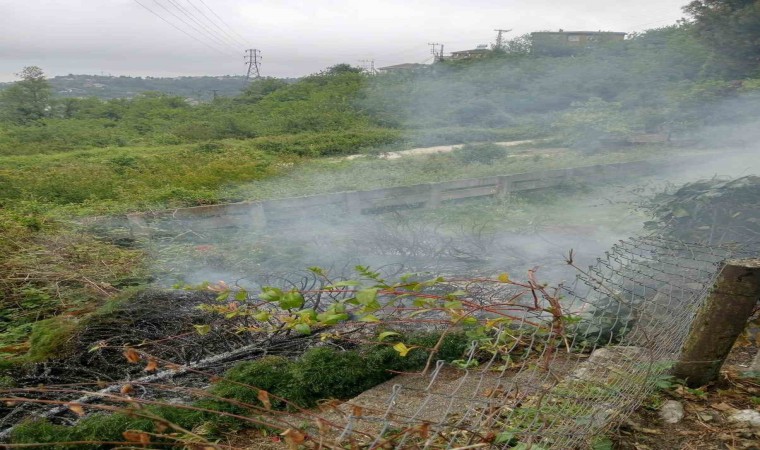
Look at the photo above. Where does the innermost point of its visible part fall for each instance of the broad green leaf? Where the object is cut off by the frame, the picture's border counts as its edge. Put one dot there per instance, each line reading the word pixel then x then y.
pixel 270 294
pixel 366 296
pixel 241 295
pixel 223 296
pixel 369 318
pixel 386 334
pixel 291 300
pixel 453 305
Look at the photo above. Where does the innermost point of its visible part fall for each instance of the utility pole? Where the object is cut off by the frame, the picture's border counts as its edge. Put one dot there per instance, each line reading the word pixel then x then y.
pixel 214 91
pixel 253 61
pixel 368 65
pixel 436 56
pixel 499 40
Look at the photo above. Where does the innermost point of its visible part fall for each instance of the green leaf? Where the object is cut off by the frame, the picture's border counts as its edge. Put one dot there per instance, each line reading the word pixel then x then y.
pixel 369 318
pixel 262 316
pixel 303 328
pixel 386 334
pixel 202 329
pixel 291 300
pixel 241 295
pixel 366 296
pixel 332 319
pixel 347 283
pixel 270 294
pixel 308 314
pixel 505 437
pixel 602 443
pixel 453 305
pixel 223 296
pixel 504 277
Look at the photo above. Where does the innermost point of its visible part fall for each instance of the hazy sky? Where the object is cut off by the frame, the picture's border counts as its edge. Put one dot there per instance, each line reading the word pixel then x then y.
pixel 121 37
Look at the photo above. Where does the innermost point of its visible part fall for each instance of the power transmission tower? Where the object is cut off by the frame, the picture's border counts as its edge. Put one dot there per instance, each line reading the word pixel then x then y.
pixel 499 40
pixel 369 65
pixel 253 60
pixel 436 55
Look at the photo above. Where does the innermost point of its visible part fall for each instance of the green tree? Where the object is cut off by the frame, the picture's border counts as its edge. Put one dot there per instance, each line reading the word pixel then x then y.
pixel 732 29
pixel 26 100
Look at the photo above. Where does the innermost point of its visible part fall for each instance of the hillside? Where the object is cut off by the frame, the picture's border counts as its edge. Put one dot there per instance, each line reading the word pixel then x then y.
pixel 109 87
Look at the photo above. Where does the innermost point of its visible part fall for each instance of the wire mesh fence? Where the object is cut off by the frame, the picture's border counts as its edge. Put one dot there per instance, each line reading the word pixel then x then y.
pixel 546 367
pixel 631 312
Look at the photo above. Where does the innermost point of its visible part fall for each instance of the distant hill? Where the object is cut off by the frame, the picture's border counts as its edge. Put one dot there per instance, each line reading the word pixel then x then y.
pixel 107 87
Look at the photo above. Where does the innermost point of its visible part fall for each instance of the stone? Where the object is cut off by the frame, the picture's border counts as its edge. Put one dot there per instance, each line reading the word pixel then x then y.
pixel 672 412
pixel 748 417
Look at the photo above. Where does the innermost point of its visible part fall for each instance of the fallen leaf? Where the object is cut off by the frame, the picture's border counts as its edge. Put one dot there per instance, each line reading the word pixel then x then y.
pixel 424 430
pixel 127 389
pixel 263 397
pixel 357 411
pixel 152 365
pixel 132 355
pixel 293 438
pixel 504 277
pixel 722 407
pixel 76 408
pixel 136 436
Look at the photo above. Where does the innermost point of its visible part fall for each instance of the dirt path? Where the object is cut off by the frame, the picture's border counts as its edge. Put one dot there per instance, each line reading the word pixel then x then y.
pixel 421 151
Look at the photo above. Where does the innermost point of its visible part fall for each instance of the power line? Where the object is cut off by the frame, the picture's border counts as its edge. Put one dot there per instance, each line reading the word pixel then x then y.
pixel 231 37
pixel 211 33
pixel 177 17
pixel 222 20
pixel 179 29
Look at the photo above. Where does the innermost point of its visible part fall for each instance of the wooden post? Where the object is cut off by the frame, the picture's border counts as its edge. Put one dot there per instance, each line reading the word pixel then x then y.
pixel 719 322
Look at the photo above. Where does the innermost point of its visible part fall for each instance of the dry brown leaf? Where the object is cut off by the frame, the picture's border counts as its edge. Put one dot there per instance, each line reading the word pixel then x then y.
pixel 424 430
pixel 152 365
pixel 357 411
pixel 136 436
pixel 132 355
pixel 293 438
pixel 127 389
pixel 11 403
pixel 161 426
pixel 722 407
pixel 76 408
pixel 263 397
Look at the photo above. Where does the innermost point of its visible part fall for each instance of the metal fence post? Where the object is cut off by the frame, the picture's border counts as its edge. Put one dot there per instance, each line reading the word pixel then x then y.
pixel 719 322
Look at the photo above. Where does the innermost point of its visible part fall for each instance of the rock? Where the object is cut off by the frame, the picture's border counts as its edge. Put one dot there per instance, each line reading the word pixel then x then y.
pixel 672 412
pixel 746 417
